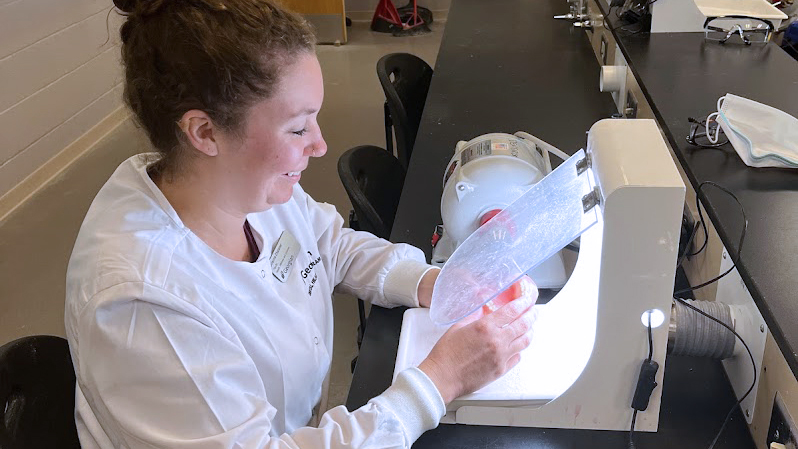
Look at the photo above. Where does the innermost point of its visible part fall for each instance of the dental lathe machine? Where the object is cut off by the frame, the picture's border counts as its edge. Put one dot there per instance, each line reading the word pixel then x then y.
pixel 506 213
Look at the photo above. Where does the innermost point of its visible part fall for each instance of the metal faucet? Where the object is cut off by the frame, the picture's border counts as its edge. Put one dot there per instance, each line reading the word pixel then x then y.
pixel 578 11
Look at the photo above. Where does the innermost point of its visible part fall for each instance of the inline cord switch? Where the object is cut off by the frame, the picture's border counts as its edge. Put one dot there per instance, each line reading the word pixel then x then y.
pixel 645 384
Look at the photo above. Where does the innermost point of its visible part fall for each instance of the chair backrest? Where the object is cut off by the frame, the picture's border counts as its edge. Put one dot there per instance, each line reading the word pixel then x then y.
pixel 405 78
pixel 37 394
pixel 373 179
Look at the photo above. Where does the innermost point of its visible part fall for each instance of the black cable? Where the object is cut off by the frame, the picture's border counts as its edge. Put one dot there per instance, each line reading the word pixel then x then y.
pixel 742 235
pixel 622 26
pixel 753 364
pixel 629 32
pixel 604 22
pixel 704 284
pixel 690 306
pixel 685 254
pixel 643 26
pixel 650 339
pixel 632 430
pixel 704 227
pixel 631 442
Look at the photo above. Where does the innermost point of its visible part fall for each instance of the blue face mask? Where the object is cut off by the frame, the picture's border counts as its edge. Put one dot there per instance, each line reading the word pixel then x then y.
pixel 763 136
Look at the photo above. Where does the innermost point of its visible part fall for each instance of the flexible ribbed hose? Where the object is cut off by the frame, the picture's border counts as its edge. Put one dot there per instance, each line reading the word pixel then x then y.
pixel 699 336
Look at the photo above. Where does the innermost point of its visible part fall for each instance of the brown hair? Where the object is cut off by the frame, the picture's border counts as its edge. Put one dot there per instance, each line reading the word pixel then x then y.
pixel 218 56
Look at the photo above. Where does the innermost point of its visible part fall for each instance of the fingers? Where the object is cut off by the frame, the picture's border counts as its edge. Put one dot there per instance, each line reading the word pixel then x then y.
pixel 523 324
pixel 522 342
pixel 525 295
pixel 522 330
pixel 528 287
pixel 511 311
pixel 514 360
pixel 470 355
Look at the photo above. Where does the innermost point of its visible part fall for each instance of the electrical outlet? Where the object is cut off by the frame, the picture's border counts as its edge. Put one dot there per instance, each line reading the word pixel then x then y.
pixel 782 429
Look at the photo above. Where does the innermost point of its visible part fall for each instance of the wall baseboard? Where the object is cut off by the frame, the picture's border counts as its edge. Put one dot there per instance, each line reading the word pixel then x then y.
pixel 58 163
pixel 329 28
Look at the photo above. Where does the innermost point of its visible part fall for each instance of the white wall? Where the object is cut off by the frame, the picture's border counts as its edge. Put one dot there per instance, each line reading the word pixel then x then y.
pixel 60 76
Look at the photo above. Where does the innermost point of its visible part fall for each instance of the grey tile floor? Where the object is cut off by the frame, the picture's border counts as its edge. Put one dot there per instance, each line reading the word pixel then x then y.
pixel 36 239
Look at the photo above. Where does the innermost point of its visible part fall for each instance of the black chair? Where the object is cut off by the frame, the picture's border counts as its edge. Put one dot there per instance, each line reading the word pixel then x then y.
pixel 373 179
pixel 405 78
pixel 37 394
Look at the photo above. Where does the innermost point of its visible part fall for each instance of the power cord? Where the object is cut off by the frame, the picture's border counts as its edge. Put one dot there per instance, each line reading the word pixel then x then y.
pixel 685 255
pixel 624 27
pixel 750 355
pixel 644 24
pixel 715 279
pixel 742 235
pixel 645 384
pixel 631 444
pixel 703 227
pixel 703 223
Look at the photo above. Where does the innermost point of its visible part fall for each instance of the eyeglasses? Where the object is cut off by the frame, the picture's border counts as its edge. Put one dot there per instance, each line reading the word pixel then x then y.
pixel 752 30
pixel 698 133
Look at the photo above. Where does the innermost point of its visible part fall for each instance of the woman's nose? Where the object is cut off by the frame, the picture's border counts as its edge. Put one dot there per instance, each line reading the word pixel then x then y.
pixel 319 147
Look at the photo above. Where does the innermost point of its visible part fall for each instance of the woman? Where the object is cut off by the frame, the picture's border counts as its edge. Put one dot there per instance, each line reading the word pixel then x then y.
pixel 199 290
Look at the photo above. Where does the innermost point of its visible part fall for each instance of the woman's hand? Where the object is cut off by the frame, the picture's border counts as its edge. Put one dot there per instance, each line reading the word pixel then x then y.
pixel 470 356
pixel 426 285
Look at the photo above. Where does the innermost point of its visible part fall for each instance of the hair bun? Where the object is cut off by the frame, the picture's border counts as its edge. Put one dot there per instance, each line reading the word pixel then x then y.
pixel 126 5
pixel 143 7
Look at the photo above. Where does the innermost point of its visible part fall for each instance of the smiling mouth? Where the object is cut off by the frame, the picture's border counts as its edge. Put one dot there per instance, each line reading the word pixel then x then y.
pixel 293 173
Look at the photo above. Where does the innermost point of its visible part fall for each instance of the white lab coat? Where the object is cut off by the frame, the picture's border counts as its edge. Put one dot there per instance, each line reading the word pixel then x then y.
pixel 175 346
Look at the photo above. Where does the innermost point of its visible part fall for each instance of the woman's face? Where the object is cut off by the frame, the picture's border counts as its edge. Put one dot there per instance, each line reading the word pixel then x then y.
pixel 280 136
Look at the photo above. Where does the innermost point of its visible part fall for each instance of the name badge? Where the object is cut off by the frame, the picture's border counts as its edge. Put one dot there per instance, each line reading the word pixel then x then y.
pixel 284 255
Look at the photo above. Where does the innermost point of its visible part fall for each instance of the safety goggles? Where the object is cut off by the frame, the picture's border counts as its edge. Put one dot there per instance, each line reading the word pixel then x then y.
pixel 751 30
pixel 699 130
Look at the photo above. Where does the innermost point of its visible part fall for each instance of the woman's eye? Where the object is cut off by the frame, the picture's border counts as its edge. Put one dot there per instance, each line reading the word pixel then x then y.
pixel 301 132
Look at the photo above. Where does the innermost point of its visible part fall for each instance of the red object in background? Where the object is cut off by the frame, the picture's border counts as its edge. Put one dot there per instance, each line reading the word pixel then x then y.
pixel 505 223
pixel 436 236
pixel 414 20
pixel 386 11
pixel 488 215
pixel 405 21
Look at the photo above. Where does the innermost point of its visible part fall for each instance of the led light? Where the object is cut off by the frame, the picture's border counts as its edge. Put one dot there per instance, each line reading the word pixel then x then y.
pixel 657 318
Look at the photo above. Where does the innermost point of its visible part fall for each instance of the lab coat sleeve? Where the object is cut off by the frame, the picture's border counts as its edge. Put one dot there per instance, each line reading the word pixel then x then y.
pixel 363 265
pixel 160 374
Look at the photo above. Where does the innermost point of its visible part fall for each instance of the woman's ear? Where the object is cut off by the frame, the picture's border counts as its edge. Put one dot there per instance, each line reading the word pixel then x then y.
pixel 200 131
